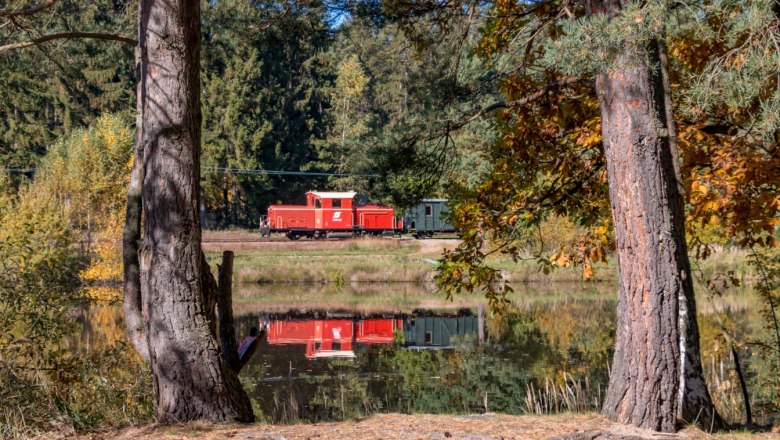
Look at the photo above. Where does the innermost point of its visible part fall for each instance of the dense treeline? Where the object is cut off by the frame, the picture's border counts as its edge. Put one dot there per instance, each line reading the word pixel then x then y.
pixel 286 87
pixel 49 92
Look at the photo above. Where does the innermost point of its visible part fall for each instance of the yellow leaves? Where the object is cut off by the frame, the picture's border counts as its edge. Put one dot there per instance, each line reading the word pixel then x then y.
pixel 710 206
pixel 587 272
pixel 563 259
pixel 351 81
pixel 590 135
pixel 106 263
pixel 699 189
pixel 560 259
pixel 102 293
pixel 714 220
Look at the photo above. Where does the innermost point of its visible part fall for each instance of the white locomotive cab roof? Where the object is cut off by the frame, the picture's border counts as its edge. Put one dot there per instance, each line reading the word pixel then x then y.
pixel 334 195
pixel 334 354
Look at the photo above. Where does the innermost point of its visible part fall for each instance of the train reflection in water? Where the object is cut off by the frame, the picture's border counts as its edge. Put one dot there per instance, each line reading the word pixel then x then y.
pixel 339 336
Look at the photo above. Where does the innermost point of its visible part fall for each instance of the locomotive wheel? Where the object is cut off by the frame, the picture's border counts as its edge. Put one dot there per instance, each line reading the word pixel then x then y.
pixel 294 235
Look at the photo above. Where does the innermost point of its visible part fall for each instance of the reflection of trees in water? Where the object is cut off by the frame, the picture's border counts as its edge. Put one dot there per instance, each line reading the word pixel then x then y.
pixel 526 347
pixel 380 297
pixel 762 379
pixel 539 343
pixel 102 327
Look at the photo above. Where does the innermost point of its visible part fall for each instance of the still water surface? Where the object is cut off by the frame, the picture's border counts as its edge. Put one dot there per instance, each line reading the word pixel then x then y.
pixel 333 353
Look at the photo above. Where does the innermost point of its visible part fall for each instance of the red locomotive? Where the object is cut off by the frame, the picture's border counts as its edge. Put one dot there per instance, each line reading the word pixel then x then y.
pixel 330 214
pixel 333 337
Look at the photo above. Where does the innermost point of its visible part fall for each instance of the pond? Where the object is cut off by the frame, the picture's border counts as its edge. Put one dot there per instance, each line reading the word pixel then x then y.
pixel 332 353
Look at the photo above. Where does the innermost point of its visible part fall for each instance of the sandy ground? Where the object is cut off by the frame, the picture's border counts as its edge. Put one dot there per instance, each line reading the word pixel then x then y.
pixel 399 426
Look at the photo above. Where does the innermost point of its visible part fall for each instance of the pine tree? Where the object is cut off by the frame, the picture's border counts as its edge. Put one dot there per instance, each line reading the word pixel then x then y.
pixel 264 98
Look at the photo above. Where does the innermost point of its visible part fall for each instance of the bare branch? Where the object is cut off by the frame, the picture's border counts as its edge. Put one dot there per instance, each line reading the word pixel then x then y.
pixel 66 35
pixel 270 21
pixel 516 103
pixel 29 11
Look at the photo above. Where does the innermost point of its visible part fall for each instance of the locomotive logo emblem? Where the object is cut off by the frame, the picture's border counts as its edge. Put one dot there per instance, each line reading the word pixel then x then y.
pixel 337 216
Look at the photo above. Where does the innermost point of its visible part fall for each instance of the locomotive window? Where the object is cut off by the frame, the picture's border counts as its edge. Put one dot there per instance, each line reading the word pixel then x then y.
pixel 317 203
pixel 428 211
pixel 336 203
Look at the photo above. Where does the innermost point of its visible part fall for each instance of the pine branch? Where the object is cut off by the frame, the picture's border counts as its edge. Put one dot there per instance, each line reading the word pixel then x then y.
pixel 29 11
pixel 67 35
pixel 509 104
pixel 268 23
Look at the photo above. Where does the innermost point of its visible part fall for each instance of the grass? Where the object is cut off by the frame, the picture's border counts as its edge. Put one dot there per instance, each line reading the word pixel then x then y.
pixel 556 398
pixel 385 260
pixel 361 261
pixel 394 297
pixel 723 261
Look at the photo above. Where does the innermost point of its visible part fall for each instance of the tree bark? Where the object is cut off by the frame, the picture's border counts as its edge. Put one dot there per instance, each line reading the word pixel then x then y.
pixel 132 233
pixel 191 380
pixel 132 304
pixel 695 403
pixel 655 378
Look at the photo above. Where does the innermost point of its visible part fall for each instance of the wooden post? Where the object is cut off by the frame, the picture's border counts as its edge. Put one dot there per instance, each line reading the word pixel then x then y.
pixel 227 330
pixel 481 323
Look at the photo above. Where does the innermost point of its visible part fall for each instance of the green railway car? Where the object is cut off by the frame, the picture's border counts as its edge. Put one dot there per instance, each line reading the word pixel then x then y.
pixel 429 217
pixel 438 331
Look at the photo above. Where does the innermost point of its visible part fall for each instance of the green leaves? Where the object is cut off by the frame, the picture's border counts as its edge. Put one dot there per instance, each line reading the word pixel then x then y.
pixel 737 78
pixel 53 88
pixel 588 45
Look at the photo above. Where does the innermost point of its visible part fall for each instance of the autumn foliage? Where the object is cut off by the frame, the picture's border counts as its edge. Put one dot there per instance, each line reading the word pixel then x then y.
pixel 548 160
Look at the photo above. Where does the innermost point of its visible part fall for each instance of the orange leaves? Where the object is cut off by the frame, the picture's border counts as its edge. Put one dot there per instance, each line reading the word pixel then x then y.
pixel 588 135
pixel 548 169
pixel 732 185
pixel 560 259
pixel 692 53
pixel 587 272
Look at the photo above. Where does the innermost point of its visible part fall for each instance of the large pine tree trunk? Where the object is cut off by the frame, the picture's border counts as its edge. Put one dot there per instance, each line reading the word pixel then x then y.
pixel 191 379
pixel 656 373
